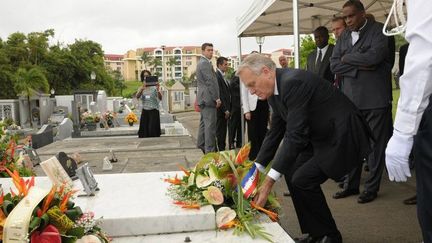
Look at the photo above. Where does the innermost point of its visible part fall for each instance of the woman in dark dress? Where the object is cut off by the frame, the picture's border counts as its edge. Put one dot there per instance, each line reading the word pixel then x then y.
pixel 150 119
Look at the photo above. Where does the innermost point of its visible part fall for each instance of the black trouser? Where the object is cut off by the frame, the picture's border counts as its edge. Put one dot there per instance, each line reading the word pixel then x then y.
pixel 221 130
pixel 304 181
pixel 423 166
pixel 234 129
pixel 380 123
pixel 257 127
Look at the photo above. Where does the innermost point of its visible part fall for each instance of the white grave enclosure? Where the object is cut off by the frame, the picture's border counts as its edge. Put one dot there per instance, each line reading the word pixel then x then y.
pixel 136 208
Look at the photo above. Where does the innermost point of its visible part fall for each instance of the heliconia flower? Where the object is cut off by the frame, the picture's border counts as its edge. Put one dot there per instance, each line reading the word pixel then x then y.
pixel 174 181
pixel 63 204
pixel 48 199
pixel 272 215
pixel 187 173
pixel 243 154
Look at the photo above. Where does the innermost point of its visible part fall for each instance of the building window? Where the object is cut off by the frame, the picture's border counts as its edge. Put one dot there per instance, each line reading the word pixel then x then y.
pixel 188 63
pixel 178 96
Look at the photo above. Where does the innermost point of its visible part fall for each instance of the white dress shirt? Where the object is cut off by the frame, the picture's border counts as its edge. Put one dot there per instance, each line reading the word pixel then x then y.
pixel 416 82
pixel 323 52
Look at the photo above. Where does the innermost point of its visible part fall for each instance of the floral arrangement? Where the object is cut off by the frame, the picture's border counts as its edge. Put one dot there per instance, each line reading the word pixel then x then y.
pixel 8 148
pixel 227 181
pixel 131 118
pixel 89 117
pixel 56 219
pixel 109 115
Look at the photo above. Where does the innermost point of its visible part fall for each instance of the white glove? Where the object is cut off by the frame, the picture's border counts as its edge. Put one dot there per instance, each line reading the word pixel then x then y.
pixel 397 154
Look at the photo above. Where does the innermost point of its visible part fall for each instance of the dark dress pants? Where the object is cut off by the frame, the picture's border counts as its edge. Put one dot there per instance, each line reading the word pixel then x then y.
pixel 221 130
pixel 234 129
pixel 304 181
pixel 257 127
pixel 423 165
pixel 380 123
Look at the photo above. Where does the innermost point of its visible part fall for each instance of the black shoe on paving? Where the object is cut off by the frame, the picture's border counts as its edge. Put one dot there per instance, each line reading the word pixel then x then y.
pixel 366 197
pixel 330 239
pixel 411 200
pixel 305 239
pixel 345 193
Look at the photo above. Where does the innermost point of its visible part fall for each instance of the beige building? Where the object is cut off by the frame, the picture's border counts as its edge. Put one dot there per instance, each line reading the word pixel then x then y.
pixel 114 62
pixel 178 63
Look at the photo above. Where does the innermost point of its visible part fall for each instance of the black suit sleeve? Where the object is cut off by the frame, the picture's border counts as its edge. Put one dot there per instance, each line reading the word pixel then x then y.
pixel 296 99
pixel 272 139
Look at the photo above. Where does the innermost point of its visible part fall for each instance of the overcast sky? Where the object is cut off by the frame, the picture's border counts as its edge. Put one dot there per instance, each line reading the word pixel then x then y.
pixel 130 24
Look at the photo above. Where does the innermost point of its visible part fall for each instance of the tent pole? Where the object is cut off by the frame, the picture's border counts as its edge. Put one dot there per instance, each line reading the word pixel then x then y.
pixel 296 34
pixel 241 105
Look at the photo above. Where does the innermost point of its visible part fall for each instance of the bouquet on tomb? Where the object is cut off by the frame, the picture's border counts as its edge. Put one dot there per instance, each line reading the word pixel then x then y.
pixel 8 151
pixel 131 118
pixel 89 117
pixel 56 219
pixel 109 115
pixel 228 181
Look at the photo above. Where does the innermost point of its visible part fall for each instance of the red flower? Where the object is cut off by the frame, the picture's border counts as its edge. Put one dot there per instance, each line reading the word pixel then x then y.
pixel 49 235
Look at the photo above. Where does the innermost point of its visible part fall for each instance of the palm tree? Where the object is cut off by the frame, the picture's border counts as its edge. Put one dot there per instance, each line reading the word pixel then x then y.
pixel 171 63
pixel 146 58
pixel 27 82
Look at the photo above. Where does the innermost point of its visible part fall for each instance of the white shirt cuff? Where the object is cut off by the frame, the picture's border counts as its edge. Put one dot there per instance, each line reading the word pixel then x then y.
pixel 260 167
pixel 274 174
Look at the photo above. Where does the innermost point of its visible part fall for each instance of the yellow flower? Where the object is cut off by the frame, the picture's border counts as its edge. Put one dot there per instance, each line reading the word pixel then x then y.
pixel 131 118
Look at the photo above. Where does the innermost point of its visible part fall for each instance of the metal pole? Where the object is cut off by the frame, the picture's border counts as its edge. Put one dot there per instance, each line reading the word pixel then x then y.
pixel 242 120
pixel 296 34
pixel 260 48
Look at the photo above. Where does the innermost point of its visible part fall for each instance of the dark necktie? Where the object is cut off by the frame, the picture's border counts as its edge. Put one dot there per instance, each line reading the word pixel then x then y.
pixel 318 61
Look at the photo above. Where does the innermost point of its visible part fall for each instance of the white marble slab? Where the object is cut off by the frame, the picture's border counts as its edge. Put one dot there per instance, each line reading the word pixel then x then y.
pixel 211 236
pixel 137 204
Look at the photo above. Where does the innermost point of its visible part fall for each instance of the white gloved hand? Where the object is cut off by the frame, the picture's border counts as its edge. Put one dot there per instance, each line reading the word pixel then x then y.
pixel 397 155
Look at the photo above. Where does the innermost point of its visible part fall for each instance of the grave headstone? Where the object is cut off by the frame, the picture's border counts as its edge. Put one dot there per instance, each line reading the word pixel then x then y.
pixel 94 107
pixel 43 137
pixel 65 129
pixel 102 101
pixel 87 179
pixel 68 164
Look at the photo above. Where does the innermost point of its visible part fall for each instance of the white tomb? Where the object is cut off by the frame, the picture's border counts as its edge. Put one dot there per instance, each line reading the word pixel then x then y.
pixel 135 208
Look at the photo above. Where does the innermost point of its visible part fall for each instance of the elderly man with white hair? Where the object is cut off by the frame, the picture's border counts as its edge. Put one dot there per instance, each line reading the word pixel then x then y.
pixel 309 114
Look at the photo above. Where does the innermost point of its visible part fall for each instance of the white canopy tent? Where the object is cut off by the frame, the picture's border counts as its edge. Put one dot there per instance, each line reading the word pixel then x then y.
pixel 295 17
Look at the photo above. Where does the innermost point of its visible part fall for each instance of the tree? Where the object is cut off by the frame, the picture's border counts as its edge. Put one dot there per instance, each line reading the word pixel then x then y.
pixel 27 82
pixel 171 63
pixel 307 45
pixel 156 62
pixel 146 58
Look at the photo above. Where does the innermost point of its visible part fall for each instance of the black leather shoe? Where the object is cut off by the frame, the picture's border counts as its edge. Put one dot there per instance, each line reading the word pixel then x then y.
pixel 305 239
pixel 330 239
pixel 411 200
pixel 366 197
pixel 345 193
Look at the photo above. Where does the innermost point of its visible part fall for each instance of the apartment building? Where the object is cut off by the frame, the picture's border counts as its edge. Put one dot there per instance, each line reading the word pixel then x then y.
pixel 167 62
pixel 114 62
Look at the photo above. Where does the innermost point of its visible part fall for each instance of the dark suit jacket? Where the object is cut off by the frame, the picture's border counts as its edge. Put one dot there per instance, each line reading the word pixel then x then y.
pixel 402 55
pixel 307 112
pixel 224 93
pixel 366 67
pixel 235 93
pixel 324 69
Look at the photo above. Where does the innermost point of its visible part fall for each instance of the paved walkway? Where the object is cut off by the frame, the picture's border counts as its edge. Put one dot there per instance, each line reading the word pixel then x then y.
pixel 385 220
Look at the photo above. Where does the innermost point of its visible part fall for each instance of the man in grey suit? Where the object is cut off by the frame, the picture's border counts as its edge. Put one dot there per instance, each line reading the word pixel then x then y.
pixel 208 100
pixel 318 61
pixel 361 58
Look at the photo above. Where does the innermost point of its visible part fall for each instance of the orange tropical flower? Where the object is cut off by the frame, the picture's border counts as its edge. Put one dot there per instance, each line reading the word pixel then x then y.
pixel 187 173
pixel 174 181
pixel 23 186
pixel 243 154
pixel 272 215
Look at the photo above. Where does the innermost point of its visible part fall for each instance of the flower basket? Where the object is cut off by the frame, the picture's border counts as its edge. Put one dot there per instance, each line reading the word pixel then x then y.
pixel 131 118
pixel 53 217
pixel 227 180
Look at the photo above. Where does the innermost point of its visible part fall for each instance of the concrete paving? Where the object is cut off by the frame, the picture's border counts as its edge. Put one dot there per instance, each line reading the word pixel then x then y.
pixel 385 220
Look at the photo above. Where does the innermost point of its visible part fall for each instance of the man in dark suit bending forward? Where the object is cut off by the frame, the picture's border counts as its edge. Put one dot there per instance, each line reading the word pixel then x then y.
pixel 324 136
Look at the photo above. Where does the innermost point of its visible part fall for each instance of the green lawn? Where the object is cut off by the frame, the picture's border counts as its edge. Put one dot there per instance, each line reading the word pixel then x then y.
pixel 131 88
